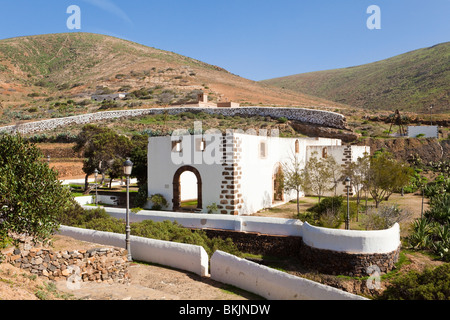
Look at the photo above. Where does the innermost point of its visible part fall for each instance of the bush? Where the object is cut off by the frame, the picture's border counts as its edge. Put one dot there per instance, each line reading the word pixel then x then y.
pixel 384 217
pixel 98 219
pixel 432 284
pixel 158 201
pixel 330 203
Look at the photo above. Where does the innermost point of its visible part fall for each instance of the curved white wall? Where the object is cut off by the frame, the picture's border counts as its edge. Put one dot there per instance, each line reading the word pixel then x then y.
pixel 264 225
pixel 270 283
pixel 178 255
pixel 352 241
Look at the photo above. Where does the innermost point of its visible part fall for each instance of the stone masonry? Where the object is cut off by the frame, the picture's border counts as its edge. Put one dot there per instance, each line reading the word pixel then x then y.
pixel 231 195
pixel 311 116
pixel 100 264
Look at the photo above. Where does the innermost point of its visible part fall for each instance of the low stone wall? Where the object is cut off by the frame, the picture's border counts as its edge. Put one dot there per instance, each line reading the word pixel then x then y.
pixel 256 243
pixel 100 264
pixel 351 264
pixel 318 117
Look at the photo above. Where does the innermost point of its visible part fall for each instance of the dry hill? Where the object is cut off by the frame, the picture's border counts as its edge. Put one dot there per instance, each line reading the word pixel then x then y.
pixel 48 75
pixel 412 81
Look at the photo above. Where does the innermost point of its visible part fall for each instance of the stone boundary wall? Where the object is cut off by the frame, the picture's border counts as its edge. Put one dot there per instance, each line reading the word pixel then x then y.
pixel 270 283
pixel 311 116
pixel 351 264
pixel 100 264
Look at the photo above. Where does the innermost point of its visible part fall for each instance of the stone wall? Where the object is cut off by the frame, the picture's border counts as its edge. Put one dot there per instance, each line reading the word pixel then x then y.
pixel 318 117
pixel 99 264
pixel 343 263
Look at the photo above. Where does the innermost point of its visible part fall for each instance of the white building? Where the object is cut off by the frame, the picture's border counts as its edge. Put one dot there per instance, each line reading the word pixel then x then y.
pixel 236 171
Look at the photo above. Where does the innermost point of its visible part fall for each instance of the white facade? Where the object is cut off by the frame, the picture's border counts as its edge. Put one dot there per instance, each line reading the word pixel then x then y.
pixel 425 131
pixel 236 171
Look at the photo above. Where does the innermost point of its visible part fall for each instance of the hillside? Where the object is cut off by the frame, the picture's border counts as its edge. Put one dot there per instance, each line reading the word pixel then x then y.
pixel 413 81
pixel 55 75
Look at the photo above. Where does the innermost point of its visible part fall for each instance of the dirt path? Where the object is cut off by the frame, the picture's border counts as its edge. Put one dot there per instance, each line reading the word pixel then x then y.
pixel 149 282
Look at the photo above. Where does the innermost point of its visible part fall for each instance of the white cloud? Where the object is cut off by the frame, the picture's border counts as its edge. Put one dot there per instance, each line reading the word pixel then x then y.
pixel 109 6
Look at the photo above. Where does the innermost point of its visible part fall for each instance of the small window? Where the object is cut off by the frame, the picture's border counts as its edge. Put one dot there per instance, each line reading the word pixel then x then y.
pixel 324 153
pixel 176 146
pixel 200 144
pixel 297 146
pixel 263 149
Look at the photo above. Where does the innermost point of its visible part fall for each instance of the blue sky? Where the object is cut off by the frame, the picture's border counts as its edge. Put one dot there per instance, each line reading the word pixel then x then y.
pixel 254 39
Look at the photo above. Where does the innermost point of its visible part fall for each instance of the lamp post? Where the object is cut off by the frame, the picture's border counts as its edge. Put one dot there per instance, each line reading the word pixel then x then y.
pixel 127 168
pixel 96 195
pixel 431 117
pixel 348 183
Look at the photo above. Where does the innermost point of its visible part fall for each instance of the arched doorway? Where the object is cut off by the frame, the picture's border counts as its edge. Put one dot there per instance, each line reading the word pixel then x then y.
pixel 177 200
pixel 278 183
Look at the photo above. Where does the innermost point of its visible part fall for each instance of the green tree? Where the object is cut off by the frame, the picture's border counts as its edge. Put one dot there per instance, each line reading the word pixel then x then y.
pixel 386 176
pixel 138 156
pixel 358 173
pixel 318 175
pixel 103 149
pixel 294 179
pixel 31 196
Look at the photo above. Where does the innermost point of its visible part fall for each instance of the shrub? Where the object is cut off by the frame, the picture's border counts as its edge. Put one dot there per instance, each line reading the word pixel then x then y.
pixel 98 219
pixel 432 284
pixel 212 208
pixel 158 201
pixel 330 219
pixel 330 203
pixel 384 217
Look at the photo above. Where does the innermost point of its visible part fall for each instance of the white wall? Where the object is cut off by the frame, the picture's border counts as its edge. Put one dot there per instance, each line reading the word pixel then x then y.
pixel 352 241
pixel 428 131
pixel 257 172
pixel 162 168
pixel 256 183
pixel 270 283
pixel 264 225
pixel 177 255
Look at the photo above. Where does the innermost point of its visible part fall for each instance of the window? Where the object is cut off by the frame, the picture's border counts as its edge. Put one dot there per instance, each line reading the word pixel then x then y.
pixel 324 153
pixel 263 149
pixel 176 146
pixel 200 144
pixel 297 146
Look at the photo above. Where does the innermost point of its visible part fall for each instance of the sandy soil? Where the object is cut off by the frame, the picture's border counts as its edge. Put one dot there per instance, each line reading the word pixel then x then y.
pixel 148 282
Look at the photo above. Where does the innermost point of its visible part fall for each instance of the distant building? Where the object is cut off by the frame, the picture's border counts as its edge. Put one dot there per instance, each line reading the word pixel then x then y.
pixel 202 102
pixel 423 131
pixel 109 97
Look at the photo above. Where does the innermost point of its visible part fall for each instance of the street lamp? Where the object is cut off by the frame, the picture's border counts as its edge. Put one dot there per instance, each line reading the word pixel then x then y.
pixel 348 183
pixel 127 168
pixel 96 195
pixel 431 117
